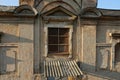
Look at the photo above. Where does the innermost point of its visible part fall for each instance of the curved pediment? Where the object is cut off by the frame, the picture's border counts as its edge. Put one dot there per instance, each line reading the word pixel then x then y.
pixel 90 12
pixel 56 4
pixel 59 13
pixel 25 10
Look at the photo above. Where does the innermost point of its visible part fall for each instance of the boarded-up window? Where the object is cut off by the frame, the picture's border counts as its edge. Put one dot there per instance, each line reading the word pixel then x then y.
pixel 58 40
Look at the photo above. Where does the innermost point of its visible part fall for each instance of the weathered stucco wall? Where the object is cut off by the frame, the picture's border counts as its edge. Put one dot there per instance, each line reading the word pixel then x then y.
pixel 10 33
pixel 16 51
pixel 89 47
pixel 46 5
pixel 106 50
pixel 26 51
pixel 89 3
pixel 23 42
pixel 104 28
pixel 28 2
pixel 8 50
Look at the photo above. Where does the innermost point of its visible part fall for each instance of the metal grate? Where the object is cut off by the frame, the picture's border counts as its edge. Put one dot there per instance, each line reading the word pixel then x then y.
pixel 61 68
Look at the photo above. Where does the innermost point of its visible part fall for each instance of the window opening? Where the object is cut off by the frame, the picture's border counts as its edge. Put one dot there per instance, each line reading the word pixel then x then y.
pixel 58 40
pixel 1 34
pixel 117 53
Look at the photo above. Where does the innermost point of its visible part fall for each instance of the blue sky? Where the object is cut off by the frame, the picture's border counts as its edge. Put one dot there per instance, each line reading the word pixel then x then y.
pixel 9 2
pixel 108 4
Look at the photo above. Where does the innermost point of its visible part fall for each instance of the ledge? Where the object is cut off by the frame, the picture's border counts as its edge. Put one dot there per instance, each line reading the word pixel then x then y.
pixel 8 44
pixel 103 44
pixel 59 18
pixel 18 11
pixel 110 12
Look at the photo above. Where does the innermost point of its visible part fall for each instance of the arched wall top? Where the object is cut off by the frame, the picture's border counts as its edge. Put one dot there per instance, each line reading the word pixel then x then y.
pixel 91 10
pixel 25 10
pixel 55 4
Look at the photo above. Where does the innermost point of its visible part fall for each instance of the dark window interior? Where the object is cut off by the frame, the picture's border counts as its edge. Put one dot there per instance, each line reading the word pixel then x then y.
pixel 58 40
pixel 117 52
pixel 1 34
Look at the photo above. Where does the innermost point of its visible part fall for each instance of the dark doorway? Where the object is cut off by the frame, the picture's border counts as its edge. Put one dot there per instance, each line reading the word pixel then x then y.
pixel 117 53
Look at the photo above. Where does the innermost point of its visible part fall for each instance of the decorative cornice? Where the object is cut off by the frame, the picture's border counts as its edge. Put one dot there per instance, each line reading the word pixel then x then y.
pixel 17 20
pixel 90 12
pixel 58 18
pixel 55 4
pixel 103 44
pixel 25 10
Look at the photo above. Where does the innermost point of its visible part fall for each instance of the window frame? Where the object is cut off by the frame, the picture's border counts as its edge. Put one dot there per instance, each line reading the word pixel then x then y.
pixel 116 55
pixel 115 42
pixel 114 39
pixel 58 39
pixel 58 25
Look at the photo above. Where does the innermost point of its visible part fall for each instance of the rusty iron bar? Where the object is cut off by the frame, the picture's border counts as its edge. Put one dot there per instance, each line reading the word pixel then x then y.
pixel 55 69
pixel 63 68
pixel 72 68
pixel 69 71
pixel 45 69
pixel 60 68
pixel 75 68
pixel 78 68
pixel 66 67
pixel 52 69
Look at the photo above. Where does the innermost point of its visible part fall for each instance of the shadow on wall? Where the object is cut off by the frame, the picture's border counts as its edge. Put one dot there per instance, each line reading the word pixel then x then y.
pixel 9 38
pixel 104 74
pixel 8 60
